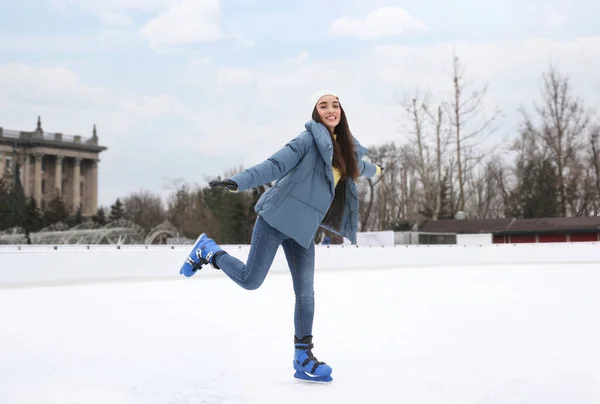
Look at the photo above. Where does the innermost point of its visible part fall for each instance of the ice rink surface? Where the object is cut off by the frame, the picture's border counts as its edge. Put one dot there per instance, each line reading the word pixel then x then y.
pixel 477 335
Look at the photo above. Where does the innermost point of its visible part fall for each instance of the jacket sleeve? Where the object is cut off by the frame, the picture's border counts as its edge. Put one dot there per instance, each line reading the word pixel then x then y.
pixel 275 167
pixel 367 169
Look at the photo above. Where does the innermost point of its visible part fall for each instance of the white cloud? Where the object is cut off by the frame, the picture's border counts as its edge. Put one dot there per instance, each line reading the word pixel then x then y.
pixel 507 65
pixel 371 84
pixel 176 23
pixel 112 5
pixel 186 21
pixel 244 42
pixel 150 106
pixel 47 84
pixel 113 12
pixel 230 76
pixel 32 89
pixel 384 21
pixel 238 115
pixel 116 19
pixel 303 56
pixel 141 131
pixel 107 41
pixel 555 19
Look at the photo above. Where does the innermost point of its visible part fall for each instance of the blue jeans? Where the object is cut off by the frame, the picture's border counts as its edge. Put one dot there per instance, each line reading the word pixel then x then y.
pixel 301 261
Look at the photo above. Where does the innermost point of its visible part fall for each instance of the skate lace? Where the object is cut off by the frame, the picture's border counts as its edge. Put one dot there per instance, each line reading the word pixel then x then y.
pixel 201 261
pixel 310 357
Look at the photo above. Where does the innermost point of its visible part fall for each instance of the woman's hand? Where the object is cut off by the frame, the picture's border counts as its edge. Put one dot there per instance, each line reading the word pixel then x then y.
pixel 230 185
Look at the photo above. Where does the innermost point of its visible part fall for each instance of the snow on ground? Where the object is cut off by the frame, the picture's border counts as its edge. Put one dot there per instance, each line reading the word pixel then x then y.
pixel 512 334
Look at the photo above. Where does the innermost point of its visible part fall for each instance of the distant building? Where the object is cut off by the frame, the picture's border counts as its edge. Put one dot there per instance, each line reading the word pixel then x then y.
pixel 512 230
pixel 53 164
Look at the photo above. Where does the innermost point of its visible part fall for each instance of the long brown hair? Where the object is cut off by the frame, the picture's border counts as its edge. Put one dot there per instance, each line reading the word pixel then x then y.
pixel 344 158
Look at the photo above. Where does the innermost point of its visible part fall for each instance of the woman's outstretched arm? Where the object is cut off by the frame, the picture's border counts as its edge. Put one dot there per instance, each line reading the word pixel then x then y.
pixel 275 167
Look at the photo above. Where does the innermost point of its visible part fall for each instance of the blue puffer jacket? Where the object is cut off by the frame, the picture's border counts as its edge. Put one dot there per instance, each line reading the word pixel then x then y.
pixel 298 202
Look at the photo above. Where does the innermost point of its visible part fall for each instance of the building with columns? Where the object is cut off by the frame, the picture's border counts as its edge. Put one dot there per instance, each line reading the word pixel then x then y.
pixel 52 165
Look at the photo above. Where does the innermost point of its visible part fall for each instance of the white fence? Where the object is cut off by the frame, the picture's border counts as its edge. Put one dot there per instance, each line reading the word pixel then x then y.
pixel 483 238
pixel 46 265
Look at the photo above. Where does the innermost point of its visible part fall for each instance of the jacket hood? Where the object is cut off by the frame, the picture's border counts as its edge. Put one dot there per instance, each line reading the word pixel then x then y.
pixel 323 141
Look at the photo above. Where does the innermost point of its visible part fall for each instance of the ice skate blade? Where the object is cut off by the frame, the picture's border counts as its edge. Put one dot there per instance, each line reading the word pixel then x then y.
pixel 304 378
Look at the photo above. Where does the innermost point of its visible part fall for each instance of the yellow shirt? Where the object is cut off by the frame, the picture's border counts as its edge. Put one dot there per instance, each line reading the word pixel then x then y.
pixel 336 176
pixel 336 172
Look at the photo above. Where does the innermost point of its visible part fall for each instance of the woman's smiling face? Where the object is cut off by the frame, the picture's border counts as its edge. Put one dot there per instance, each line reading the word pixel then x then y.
pixel 328 108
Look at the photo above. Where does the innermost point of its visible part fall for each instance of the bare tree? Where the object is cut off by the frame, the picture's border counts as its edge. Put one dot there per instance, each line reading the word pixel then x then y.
pixel 485 184
pixel 562 122
pixel 442 138
pixel 395 199
pixel 372 195
pixel 417 151
pixel 437 119
pixel 500 173
pixel 594 159
pixel 428 139
pixel 420 158
pixel 186 210
pixel 233 171
pixel 144 209
pixel 595 163
pixel 462 111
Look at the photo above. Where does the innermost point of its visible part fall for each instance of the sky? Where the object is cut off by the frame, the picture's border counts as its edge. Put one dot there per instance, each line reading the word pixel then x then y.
pixel 188 89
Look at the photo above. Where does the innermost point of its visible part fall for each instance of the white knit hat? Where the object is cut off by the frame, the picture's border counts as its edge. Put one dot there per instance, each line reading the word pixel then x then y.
pixel 316 96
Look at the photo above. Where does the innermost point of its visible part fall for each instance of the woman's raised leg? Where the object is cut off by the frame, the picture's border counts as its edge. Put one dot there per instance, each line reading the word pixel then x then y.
pixel 263 248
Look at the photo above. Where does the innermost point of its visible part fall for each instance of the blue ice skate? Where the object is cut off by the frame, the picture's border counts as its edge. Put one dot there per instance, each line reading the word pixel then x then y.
pixel 203 253
pixel 308 368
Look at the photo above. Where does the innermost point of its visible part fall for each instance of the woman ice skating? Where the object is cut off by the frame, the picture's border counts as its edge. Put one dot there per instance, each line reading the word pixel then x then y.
pixel 315 186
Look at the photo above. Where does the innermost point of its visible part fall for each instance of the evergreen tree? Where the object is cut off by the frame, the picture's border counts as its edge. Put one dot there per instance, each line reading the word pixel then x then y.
pixel 76 218
pixel 79 216
pixel 6 214
pixel 237 225
pixel 231 212
pixel 215 203
pixel 445 205
pixel 251 215
pixel 399 225
pixel 179 207
pixel 33 216
pixel 100 217
pixel 56 211
pixel 117 211
pixel 13 208
pixel 538 192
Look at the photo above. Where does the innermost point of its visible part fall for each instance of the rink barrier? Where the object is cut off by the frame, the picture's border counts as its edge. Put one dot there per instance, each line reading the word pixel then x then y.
pixel 23 265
